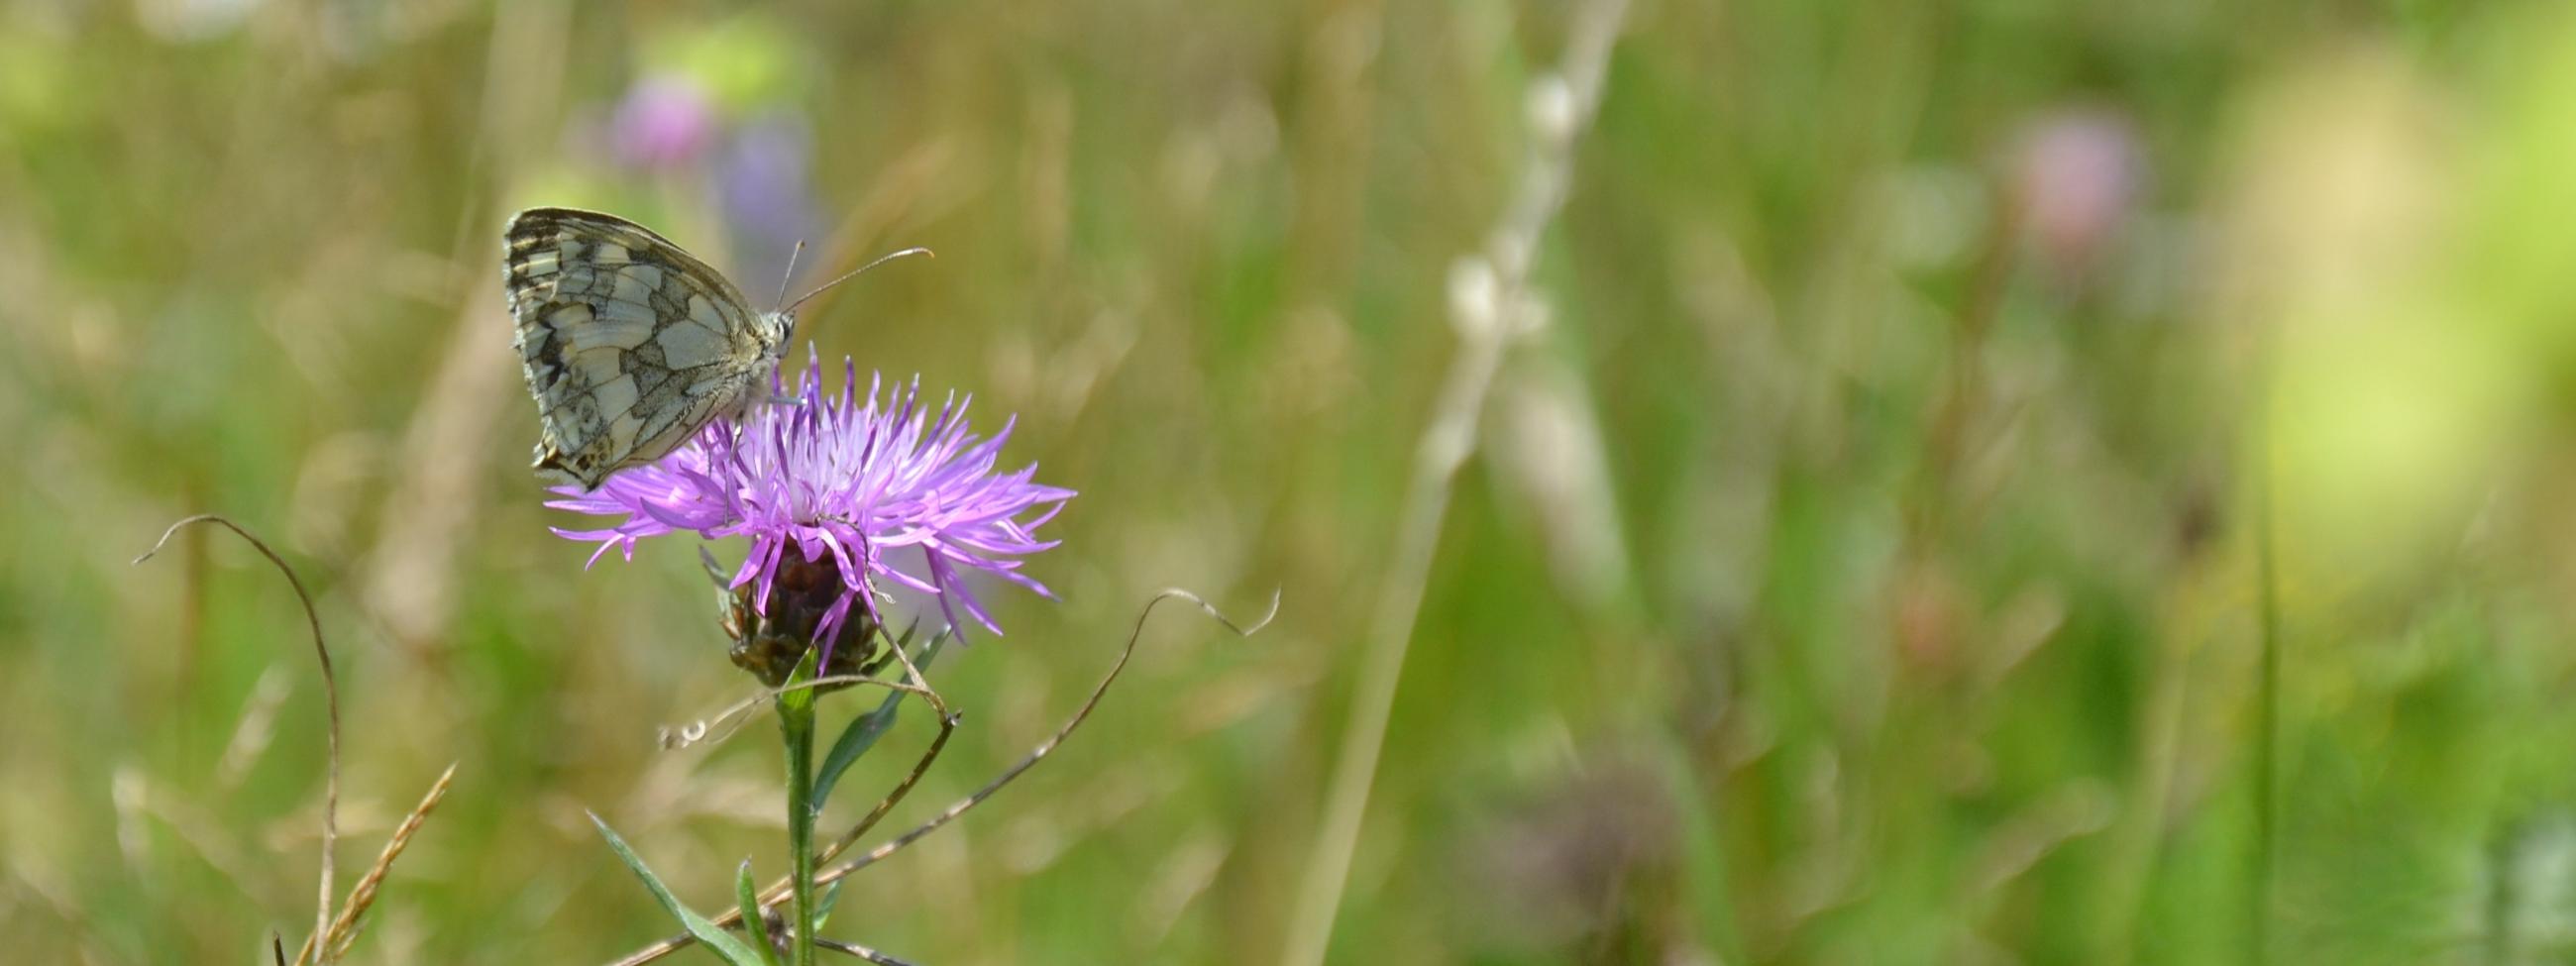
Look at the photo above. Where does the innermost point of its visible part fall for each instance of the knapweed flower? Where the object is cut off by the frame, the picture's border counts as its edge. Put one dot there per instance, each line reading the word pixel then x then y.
pixel 664 121
pixel 834 493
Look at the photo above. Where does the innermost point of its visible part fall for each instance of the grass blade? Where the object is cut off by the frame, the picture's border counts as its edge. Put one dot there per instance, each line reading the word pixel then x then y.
pixel 725 944
pixel 757 926
pixel 823 906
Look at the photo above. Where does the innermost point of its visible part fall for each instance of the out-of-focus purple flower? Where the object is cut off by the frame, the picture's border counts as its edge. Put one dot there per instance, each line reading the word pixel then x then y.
pixel 2076 176
pixel 763 187
pixel 665 120
pixel 846 483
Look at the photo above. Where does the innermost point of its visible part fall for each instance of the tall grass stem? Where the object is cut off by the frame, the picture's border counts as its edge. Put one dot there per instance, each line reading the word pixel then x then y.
pixel 1493 308
pixel 2267 693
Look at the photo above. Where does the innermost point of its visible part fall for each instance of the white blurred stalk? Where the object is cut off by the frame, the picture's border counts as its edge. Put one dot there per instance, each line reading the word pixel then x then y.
pixel 1492 306
pixel 1547 451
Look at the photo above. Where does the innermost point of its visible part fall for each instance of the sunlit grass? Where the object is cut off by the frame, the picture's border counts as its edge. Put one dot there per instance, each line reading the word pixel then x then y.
pixel 1860 567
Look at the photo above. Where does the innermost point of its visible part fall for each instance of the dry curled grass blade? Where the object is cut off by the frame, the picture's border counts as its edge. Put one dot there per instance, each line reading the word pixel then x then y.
pixel 1081 714
pixel 859 951
pixel 330 694
pixel 722 724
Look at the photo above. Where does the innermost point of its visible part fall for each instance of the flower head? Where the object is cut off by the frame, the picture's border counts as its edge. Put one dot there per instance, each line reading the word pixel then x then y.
pixel 2077 180
pixel 664 121
pixel 844 487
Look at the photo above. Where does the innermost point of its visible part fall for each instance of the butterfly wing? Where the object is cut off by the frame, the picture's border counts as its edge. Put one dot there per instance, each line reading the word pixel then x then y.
pixel 629 344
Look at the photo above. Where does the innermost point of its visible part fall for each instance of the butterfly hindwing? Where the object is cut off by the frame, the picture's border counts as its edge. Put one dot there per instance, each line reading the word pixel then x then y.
pixel 630 345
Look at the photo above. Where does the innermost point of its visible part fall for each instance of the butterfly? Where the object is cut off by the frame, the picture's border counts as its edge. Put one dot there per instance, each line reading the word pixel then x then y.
pixel 630 344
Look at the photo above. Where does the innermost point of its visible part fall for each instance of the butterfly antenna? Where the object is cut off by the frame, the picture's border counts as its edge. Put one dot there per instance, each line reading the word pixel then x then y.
pixel 854 273
pixel 790 277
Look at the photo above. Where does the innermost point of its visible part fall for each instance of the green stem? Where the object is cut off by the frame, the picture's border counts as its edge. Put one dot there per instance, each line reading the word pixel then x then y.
pixel 2267 684
pixel 796 725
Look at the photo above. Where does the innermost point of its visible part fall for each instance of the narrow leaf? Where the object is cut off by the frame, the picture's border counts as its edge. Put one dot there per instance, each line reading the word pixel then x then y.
pixel 753 921
pixel 864 731
pixel 823 906
pixel 724 944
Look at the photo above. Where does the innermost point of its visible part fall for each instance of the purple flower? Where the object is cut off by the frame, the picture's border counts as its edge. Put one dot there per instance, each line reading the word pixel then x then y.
pixel 2078 175
pixel 850 484
pixel 763 185
pixel 664 121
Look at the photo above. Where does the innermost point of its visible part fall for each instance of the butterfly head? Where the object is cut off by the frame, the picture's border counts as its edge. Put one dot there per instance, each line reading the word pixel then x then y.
pixel 777 329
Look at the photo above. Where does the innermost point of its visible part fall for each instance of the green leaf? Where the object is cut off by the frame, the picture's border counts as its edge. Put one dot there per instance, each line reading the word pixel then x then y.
pixel 724 944
pixel 855 740
pixel 864 731
pixel 823 909
pixel 754 921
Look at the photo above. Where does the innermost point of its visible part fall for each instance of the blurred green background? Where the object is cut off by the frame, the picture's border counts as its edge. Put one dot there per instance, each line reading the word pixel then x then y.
pixel 1863 565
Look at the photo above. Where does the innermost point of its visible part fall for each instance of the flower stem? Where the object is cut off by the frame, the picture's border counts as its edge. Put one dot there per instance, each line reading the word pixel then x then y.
pixel 796 726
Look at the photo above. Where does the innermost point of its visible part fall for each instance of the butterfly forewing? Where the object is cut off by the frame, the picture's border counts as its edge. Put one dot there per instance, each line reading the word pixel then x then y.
pixel 629 344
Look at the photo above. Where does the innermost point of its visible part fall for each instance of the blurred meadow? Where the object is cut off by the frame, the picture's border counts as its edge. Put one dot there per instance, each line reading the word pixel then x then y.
pixel 1987 481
